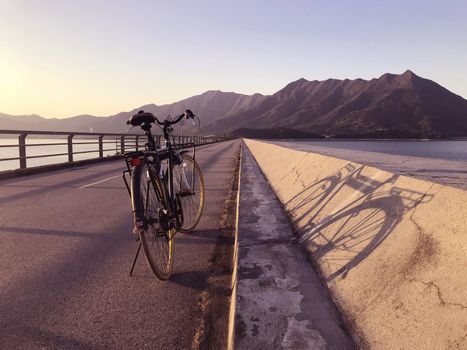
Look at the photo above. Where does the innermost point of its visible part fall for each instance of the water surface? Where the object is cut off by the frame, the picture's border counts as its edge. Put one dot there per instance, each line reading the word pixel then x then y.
pixel 439 149
pixel 443 162
pixel 39 146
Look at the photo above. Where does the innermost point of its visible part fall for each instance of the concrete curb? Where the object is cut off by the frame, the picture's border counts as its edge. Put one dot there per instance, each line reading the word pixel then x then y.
pixel 281 302
pixel 233 297
pixel 391 249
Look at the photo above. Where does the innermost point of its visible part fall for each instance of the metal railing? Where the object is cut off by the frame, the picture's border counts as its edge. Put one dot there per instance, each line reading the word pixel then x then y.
pixel 73 140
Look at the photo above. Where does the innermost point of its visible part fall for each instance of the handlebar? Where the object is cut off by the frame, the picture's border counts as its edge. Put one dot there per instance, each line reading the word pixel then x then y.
pixel 170 122
pixel 147 118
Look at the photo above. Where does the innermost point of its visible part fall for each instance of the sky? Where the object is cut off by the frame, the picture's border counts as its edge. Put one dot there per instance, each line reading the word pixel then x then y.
pixel 66 58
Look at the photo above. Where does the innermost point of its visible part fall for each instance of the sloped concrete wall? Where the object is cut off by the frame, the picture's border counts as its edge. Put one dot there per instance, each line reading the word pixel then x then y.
pixel 392 249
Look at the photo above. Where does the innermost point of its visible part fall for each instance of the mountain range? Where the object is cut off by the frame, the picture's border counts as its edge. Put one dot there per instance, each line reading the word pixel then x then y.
pixel 392 106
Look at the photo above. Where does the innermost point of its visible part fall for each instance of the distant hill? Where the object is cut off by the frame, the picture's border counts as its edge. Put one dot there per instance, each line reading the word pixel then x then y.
pixel 208 106
pixel 392 106
pixel 276 133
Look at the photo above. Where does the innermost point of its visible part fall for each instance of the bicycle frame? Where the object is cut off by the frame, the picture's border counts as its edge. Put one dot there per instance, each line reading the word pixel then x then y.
pixel 156 160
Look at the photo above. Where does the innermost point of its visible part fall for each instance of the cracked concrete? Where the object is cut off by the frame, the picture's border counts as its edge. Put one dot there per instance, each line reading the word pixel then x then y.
pixel 391 249
pixel 437 288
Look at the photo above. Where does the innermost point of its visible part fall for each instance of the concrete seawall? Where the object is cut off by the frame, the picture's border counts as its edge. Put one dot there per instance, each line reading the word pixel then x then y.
pixel 391 249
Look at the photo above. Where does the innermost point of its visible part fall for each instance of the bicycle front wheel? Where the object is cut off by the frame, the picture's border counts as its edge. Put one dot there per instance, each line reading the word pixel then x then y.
pixel 189 188
pixel 156 237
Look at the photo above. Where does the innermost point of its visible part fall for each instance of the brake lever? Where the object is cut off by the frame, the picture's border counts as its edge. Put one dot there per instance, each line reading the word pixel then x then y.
pixel 189 114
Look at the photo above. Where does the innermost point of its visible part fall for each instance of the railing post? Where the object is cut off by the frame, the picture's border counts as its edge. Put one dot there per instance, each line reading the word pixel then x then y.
pixel 70 148
pixel 22 150
pixel 136 143
pixel 101 146
pixel 122 144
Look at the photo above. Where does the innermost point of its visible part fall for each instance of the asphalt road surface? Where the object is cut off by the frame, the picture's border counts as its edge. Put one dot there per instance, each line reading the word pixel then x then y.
pixel 446 172
pixel 66 249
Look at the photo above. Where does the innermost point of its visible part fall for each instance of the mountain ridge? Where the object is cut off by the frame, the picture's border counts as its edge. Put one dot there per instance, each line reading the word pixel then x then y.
pixel 399 106
pixel 393 105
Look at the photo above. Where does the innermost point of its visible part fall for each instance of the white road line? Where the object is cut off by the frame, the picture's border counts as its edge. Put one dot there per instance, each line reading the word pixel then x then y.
pixel 98 182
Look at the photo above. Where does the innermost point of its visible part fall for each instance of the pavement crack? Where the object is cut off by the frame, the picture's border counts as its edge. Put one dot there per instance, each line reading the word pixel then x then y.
pixel 419 228
pixel 441 299
pixel 459 341
pixel 417 202
pixel 378 296
pixel 293 169
pixel 426 249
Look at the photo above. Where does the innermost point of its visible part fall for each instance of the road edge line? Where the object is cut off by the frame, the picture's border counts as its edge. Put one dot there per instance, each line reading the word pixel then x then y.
pixel 233 297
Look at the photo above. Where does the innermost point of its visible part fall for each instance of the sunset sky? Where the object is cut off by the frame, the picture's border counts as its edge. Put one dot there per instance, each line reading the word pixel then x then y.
pixel 65 58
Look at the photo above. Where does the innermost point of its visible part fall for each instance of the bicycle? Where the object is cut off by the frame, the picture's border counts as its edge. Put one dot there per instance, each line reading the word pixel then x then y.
pixel 166 189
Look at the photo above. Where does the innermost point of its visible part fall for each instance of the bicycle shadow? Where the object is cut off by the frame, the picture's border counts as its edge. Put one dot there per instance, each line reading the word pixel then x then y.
pixel 344 217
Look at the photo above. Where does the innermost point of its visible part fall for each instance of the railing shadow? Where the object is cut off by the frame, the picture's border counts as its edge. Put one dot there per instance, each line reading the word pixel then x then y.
pixel 352 226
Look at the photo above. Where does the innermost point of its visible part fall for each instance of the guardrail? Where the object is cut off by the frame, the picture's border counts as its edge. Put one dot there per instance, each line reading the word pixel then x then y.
pixel 74 140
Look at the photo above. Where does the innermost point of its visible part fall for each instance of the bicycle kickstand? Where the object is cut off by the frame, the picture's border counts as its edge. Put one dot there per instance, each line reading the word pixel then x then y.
pixel 134 261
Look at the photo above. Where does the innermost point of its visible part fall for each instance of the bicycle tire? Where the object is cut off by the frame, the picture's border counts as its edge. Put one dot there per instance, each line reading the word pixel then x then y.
pixel 189 186
pixel 149 198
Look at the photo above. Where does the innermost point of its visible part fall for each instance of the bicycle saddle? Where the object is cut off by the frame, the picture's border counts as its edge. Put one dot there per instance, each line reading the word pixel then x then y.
pixel 140 118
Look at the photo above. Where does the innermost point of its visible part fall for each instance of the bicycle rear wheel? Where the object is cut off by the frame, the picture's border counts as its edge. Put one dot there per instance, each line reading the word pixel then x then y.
pixel 156 237
pixel 189 187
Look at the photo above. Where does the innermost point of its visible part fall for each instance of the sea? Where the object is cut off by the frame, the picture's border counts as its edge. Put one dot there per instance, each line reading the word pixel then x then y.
pixel 437 149
pixel 443 162
pixel 41 146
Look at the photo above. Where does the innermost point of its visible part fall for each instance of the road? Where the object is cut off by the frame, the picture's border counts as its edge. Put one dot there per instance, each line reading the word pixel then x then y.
pixel 66 249
pixel 447 172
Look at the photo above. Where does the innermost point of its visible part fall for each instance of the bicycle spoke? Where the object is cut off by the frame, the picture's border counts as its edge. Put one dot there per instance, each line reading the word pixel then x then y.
pixel 189 186
pixel 157 245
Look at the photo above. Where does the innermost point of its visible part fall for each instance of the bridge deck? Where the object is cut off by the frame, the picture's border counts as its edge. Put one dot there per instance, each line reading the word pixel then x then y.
pixel 66 249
